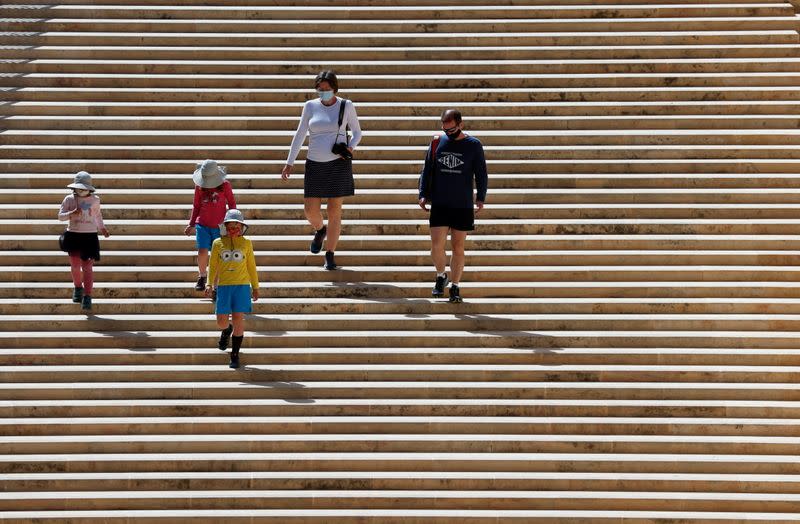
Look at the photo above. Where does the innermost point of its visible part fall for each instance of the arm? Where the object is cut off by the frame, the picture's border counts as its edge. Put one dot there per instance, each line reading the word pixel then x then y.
pixel 481 175
pixel 352 121
pixel 213 262
pixel 299 135
pixel 98 216
pixel 229 195
pixel 68 207
pixel 195 206
pixel 427 173
pixel 252 270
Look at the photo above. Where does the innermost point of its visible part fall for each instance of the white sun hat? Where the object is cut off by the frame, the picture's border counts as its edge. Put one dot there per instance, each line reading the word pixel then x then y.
pixel 209 174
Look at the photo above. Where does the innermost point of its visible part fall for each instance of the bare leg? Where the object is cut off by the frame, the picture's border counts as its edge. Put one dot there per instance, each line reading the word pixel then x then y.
pixel 457 240
pixel 223 321
pixel 202 261
pixel 438 242
pixel 238 324
pixel 313 211
pixel 334 209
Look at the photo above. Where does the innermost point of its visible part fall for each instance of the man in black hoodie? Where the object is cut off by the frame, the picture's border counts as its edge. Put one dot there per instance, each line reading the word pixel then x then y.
pixel 452 163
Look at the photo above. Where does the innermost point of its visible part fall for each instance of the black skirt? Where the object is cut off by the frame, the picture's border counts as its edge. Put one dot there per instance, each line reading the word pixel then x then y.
pixel 87 245
pixel 328 179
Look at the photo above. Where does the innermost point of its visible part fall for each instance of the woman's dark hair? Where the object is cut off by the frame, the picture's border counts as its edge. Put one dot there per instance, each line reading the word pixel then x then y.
pixel 327 76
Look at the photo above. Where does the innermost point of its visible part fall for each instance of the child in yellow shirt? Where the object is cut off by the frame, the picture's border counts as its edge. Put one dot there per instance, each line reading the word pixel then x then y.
pixel 232 265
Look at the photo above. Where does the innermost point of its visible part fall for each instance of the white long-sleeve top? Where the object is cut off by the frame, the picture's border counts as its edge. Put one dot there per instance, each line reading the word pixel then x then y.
pixel 321 124
pixel 88 220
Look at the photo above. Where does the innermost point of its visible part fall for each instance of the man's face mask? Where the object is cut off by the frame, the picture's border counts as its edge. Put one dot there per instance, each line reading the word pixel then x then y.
pixel 82 192
pixel 452 131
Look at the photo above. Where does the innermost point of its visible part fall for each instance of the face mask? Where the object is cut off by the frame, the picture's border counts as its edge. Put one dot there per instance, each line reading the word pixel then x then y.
pixel 234 229
pixel 82 192
pixel 325 96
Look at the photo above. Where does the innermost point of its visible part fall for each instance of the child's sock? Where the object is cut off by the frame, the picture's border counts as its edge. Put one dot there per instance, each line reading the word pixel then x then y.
pixel 237 344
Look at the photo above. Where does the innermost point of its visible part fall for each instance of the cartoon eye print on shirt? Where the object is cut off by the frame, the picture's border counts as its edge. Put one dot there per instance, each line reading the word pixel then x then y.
pixel 232 256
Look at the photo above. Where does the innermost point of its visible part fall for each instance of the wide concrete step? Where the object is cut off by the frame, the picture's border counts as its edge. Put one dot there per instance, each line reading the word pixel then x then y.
pixel 458 443
pixel 42 409
pixel 98 162
pixel 616 482
pixel 397 274
pixel 574 462
pixel 386 24
pixel 392 499
pixel 407 290
pixel 487 227
pixel 627 103
pixel 673 426
pixel 392 516
pixel 470 96
pixel 497 143
pixel 513 181
pixel 422 242
pixel 374 39
pixel 300 390
pixel 422 258
pixel 411 53
pixel 411 211
pixel 404 355
pixel 440 322
pixel 238 123
pixel 408 13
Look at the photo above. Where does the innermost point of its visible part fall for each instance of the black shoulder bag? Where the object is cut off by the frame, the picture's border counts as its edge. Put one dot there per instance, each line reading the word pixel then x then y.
pixel 340 148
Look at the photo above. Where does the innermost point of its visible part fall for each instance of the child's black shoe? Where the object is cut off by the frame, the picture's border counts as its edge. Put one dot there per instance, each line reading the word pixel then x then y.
pixel 86 303
pixel 234 361
pixel 77 295
pixel 224 338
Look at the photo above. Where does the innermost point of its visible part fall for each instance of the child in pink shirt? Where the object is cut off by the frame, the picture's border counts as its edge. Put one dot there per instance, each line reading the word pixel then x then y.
pixel 82 210
pixel 213 196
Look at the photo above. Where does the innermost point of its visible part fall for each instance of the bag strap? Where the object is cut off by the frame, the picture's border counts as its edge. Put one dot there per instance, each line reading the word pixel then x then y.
pixel 341 119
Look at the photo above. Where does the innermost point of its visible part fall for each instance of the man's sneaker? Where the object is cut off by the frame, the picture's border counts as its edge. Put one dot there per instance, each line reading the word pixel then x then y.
pixel 201 283
pixel 455 294
pixel 86 303
pixel 438 287
pixel 319 236
pixel 77 295
pixel 330 263
pixel 234 362
pixel 224 338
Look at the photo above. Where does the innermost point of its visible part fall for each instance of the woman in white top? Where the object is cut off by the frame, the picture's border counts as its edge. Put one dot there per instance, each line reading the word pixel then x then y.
pixel 327 174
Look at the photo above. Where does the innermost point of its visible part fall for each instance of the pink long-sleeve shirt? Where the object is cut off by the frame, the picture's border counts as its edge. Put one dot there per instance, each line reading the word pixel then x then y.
pixel 88 220
pixel 210 206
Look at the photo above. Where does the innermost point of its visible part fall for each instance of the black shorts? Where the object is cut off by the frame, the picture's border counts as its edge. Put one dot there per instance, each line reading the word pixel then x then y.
pixel 462 219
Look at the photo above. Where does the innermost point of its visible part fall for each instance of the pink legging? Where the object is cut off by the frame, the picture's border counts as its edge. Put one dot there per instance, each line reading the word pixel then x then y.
pixel 82 273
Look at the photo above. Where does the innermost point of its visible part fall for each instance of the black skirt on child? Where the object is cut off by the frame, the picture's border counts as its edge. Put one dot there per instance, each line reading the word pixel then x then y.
pixel 85 244
pixel 328 179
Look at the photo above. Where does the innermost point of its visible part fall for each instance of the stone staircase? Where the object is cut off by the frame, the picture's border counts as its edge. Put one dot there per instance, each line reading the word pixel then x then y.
pixel 628 346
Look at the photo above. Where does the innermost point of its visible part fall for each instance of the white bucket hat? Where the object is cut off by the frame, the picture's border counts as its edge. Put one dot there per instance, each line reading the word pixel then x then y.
pixel 233 215
pixel 209 174
pixel 83 180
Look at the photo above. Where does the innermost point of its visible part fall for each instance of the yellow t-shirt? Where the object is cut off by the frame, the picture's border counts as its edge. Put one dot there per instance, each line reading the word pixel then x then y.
pixel 234 261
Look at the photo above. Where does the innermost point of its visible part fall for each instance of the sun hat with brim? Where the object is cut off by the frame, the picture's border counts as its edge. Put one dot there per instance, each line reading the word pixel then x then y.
pixel 83 180
pixel 233 215
pixel 209 174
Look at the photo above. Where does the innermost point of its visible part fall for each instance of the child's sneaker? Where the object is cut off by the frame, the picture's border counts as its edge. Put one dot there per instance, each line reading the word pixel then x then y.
pixel 455 294
pixel 319 236
pixel 201 283
pixel 438 287
pixel 77 295
pixel 86 303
